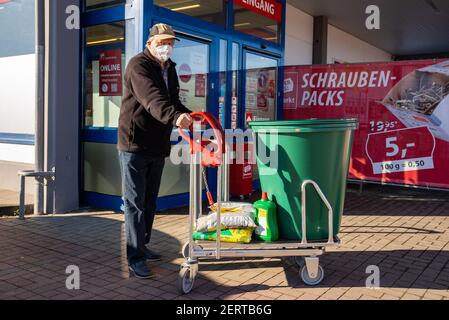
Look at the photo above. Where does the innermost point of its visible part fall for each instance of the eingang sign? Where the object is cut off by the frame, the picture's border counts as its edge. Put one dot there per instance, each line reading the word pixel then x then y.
pixel 268 8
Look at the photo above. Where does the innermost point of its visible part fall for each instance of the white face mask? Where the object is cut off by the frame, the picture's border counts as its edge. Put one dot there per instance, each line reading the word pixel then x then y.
pixel 163 53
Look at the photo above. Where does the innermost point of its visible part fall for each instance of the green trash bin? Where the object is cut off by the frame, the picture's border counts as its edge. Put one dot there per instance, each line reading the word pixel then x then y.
pixel 314 149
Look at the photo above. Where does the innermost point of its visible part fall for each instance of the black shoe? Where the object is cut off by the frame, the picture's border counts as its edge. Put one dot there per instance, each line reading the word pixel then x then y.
pixel 140 270
pixel 152 256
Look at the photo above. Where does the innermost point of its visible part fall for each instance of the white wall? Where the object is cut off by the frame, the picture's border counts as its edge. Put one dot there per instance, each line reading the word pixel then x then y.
pixel 17 153
pixel 341 45
pixel 346 48
pixel 17 104
pixel 298 37
pixel 17 94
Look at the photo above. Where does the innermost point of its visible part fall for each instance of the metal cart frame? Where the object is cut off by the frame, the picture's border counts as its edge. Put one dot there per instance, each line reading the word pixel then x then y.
pixel 311 272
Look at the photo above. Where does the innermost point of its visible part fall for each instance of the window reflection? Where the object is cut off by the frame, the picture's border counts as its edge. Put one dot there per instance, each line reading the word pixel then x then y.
pixel 192 63
pixel 261 84
pixel 213 11
pixel 17 27
pixel 100 4
pixel 104 63
pixel 257 25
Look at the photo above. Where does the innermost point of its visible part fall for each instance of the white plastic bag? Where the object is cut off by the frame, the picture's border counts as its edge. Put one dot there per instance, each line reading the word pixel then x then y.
pixel 234 207
pixel 234 215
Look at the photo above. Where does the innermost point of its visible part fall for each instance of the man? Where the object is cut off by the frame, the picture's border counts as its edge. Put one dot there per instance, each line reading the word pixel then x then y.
pixel 150 109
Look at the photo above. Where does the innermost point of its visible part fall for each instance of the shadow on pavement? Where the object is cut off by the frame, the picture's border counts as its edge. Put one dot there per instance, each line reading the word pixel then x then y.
pixel 377 200
pixel 37 251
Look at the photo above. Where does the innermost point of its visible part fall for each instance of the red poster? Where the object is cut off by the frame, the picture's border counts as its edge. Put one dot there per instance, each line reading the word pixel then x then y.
pixel 402 107
pixel 111 73
pixel 200 85
pixel 268 8
pixel 398 150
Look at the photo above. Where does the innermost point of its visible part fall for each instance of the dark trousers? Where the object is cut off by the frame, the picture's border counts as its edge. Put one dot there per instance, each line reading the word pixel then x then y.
pixel 141 180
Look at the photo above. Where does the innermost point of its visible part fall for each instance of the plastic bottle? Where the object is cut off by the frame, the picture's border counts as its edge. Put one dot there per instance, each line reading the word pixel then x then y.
pixel 266 219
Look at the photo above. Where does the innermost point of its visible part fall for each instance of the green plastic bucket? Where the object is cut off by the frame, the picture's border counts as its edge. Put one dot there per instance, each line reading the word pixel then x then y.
pixel 299 150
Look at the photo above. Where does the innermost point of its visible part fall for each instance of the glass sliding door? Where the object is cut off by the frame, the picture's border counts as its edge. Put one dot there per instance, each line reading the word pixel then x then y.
pixel 261 82
pixel 192 64
pixel 192 58
pixel 260 87
pixel 104 64
pixel 104 50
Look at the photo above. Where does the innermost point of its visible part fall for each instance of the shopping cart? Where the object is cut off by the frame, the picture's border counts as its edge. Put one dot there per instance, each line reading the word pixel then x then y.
pixel 201 157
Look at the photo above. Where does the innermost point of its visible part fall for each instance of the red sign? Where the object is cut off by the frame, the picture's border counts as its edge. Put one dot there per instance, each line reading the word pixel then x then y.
pixel 268 8
pixel 402 108
pixel 398 150
pixel 185 73
pixel 111 73
pixel 200 85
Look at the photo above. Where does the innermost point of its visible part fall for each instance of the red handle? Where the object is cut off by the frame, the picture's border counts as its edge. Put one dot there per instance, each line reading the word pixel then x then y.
pixel 216 127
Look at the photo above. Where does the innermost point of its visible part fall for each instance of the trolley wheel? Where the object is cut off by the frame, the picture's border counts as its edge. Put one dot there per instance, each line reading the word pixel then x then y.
pixel 311 281
pixel 185 281
pixel 299 261
pixel 185 249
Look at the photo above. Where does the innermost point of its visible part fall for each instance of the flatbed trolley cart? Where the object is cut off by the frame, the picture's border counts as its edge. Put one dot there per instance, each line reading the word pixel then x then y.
pixel 310 270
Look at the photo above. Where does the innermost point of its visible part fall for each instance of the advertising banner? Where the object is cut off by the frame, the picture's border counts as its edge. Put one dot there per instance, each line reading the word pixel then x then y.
pixel 402 107
pixel 111 73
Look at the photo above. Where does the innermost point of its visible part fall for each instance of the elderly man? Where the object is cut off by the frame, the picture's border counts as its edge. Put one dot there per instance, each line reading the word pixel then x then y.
pixel 150 109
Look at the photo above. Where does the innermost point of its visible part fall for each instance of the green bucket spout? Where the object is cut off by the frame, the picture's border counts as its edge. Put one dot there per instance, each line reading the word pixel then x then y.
pixel 291 152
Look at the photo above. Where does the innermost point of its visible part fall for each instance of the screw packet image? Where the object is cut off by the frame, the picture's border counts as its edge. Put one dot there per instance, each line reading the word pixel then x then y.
pixel 422 99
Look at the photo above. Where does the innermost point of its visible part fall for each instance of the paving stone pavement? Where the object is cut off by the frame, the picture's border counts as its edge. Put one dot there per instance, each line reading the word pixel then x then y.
pixel 404 233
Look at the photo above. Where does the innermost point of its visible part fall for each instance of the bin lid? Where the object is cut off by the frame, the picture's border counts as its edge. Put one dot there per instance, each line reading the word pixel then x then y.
pixel 306 125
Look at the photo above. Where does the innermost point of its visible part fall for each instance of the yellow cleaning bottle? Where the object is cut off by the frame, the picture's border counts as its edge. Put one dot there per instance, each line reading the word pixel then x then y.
pixel 266 219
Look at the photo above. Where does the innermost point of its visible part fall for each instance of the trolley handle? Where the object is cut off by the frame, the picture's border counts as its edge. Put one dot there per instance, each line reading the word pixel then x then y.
pixel 331 239
pixel 217 129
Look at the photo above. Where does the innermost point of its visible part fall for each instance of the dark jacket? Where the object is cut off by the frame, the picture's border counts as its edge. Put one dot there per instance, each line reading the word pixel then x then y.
pixel 149 109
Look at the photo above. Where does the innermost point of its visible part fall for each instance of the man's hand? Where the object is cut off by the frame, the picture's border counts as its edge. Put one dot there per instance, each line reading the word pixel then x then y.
pixel 184 121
